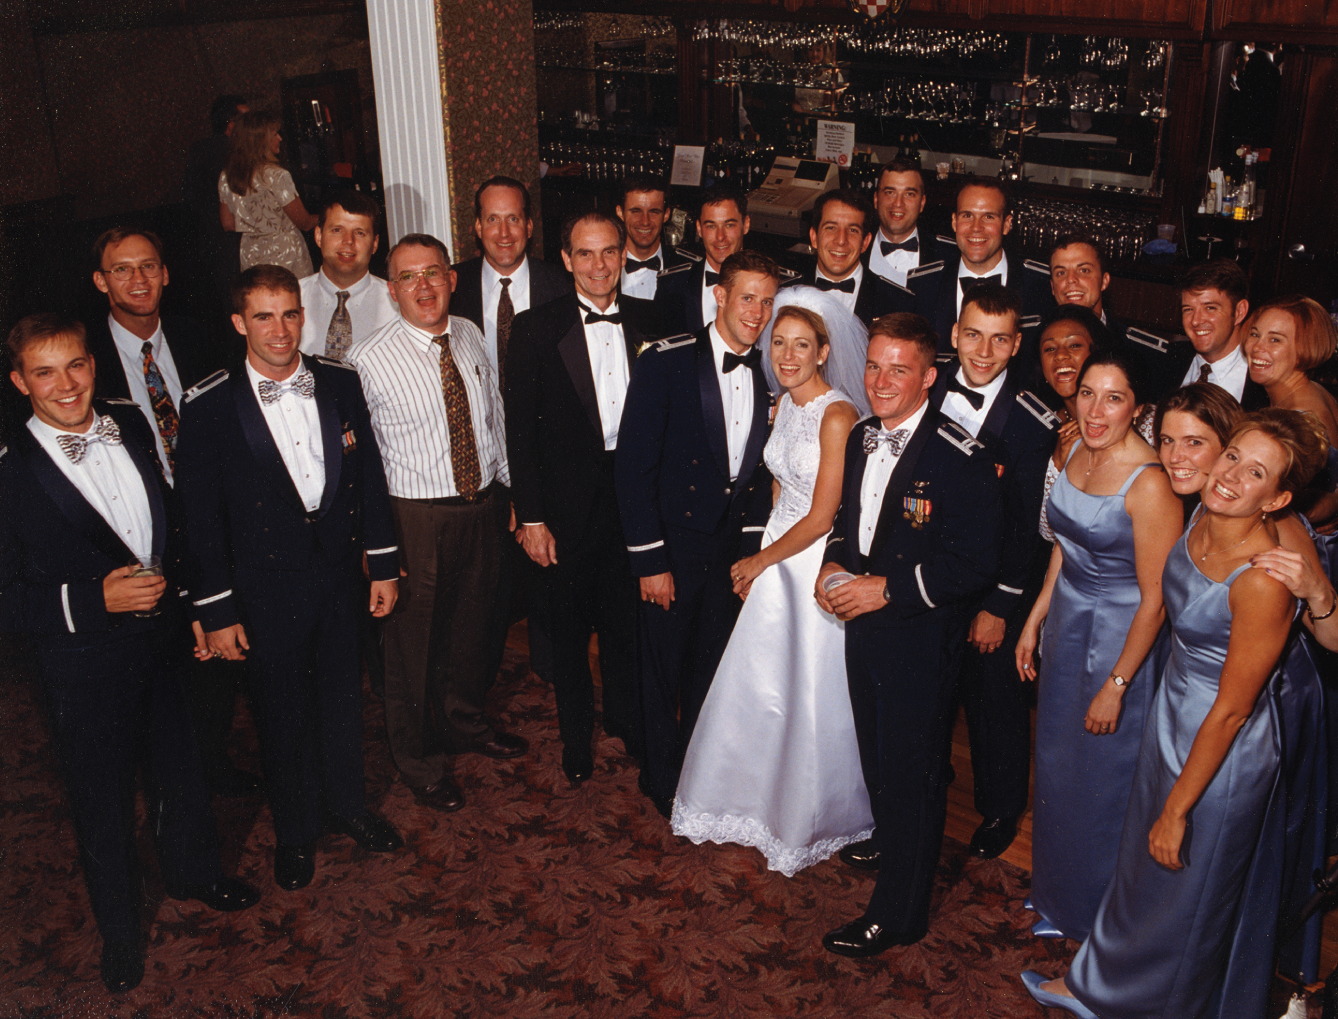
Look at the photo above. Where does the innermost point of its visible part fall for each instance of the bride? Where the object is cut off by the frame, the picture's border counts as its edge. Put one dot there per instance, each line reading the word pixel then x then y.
pixel 773 761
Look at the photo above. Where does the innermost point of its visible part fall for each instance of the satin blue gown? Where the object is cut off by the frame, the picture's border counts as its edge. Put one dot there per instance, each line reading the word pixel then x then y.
pixel 1082 780
pixel 1199 941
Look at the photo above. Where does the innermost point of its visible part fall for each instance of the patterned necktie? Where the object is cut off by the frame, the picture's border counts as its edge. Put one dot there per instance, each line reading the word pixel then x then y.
pixel 846 286
pixel 1205 371
pixel 887 247
pixel 76 446
pixel 164 411
pixel 506 314
pixel 303 384
pixel 874 436
pixel 459 423
pixel 339 336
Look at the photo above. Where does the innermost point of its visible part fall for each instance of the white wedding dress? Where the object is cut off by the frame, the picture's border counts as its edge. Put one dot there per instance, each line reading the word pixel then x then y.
pixel 773 761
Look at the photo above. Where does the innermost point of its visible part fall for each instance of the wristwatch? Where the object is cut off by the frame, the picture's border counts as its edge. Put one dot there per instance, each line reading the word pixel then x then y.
pixel 1118 680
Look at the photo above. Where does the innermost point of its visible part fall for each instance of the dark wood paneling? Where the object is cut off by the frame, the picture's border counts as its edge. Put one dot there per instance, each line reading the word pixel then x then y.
pixel 1276 20
pixel 61 17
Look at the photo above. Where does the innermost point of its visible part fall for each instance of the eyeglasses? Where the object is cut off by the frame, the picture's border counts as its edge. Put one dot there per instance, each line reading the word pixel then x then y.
pixel 433 277
pixel 121 273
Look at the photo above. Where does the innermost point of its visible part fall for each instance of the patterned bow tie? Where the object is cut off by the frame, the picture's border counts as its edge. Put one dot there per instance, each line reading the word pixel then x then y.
pixel 887 247
pixel 651 263
pixel 303 385
pixel 874 436
pixel 972 396
pixel 749 360
pixel 846 286
pixel 76 446
pixel 712 278
pixel 971 282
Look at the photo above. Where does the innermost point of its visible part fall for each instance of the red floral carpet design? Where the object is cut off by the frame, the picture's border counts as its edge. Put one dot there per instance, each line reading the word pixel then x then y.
pixel 536 899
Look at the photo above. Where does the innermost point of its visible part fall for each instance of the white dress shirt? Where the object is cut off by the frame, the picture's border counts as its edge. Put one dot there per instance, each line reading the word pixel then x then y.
pixel 400 368
pixel 1000 270
pixel 896 265
pixel 131 349
pixel 369 308
pixel 108 478
pixel 736 394
pixel 295 424
pixel 709 307
pixel 642 282
pixel 1229 373
pixel 877 473
pixel 608 364
pixel 492 293
pixel 959 408
pixel 847 300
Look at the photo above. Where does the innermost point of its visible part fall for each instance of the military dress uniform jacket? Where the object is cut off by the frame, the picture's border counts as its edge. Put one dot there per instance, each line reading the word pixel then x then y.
pixel 1019 433
pixel 242 507
pixel 672 464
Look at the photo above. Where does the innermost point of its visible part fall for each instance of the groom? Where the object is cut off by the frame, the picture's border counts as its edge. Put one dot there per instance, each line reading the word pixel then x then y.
pixel 918 526
pixel 694 498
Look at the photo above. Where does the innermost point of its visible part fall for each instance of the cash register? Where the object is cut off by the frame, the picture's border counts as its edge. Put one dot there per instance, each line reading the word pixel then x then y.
pixel 781 205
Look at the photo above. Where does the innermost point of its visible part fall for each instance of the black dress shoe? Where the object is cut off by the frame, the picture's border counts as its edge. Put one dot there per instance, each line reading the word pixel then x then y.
pixel 861 855
pixel 234 782
pixel 860 939
pixel 227 894
pixel 294 866
pixel 501 746
pixel 369 831
pixel 122 966
pixel 994 835
pixel 444 796
pixel 577 764
pixel 664 805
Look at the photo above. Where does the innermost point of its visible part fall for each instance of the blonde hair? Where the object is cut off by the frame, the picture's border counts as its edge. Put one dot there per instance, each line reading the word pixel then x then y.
pixel 1301 436
pixel 250 149
pixel 811 319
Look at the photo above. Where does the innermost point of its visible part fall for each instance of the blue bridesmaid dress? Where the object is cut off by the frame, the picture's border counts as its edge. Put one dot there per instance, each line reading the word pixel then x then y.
pixel 1082 780
pixel 1199 941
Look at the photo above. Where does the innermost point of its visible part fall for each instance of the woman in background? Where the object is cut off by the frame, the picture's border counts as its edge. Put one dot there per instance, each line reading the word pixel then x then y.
pixel 257 197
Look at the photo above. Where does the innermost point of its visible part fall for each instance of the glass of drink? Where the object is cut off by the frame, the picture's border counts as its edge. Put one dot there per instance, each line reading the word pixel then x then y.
pixel 147 566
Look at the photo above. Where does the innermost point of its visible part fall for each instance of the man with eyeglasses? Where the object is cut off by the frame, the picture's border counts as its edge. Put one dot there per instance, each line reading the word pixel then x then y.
pixel 437 414
pixel 153 359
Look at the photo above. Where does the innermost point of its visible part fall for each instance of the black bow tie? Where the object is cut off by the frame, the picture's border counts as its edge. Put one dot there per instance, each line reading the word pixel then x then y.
pixel 973 396
pixel 593 316
pixel 969 282
pixel 712 278
pixel 887 247
pixel 749 360
pixel 651 263
pixel 846 286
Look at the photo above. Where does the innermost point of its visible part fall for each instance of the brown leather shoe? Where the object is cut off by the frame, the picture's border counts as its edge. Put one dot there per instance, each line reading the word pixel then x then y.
pixel 444 796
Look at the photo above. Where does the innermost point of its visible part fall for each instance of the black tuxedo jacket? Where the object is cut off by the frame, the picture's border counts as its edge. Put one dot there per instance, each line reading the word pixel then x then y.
pixel 932 290
pixel 547 283
pixel 672 464
pixel 56 549
pixel 1019 434
pixel 198 350
pixel 939 531
pixel 554 437
pixel 242 508
pixel 877 296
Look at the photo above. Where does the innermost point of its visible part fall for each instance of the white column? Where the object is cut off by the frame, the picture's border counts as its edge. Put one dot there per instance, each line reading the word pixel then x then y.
pixel 414 163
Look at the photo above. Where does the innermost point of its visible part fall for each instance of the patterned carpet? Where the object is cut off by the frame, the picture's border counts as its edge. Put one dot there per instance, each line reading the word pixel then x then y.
pixel 535 900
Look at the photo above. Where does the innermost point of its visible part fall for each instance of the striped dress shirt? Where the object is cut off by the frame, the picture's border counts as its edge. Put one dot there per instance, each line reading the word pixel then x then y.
pixel 400 368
